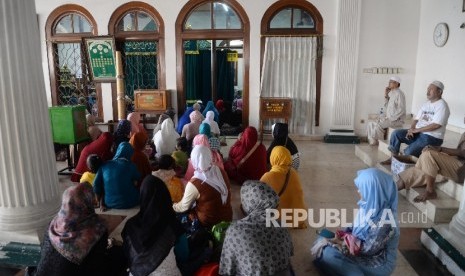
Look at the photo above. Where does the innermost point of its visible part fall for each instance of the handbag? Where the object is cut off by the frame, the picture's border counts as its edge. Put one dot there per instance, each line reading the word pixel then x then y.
pixel 285 183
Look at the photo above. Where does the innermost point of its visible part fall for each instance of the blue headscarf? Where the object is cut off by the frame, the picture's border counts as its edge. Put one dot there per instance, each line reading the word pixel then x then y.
pixel 205 129
pixel 124 151
pixel 378 192
pixel 211 107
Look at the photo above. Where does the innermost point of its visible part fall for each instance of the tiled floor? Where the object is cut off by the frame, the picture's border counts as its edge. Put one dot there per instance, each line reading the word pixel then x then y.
pixel 327 172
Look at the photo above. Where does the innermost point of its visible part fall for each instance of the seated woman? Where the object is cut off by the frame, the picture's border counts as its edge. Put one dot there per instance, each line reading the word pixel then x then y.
pixel 215 144
pixel 250 247
pixel 122 134
pixel 285 182
pixel 211 107
pixel 93 130
pixel 208 189
pixel 165 139
pixel 166 173
pixel 370 247
pixel 209 119
pixel 247 157
pixel 185 118
pixel 117 180
pixel 180 156
pixel 202 139
pixel 191 129
pixel 136 126
pixel 100 147
pixel 138 142
pixel 280 132
pixel 76 240
pixel 149 236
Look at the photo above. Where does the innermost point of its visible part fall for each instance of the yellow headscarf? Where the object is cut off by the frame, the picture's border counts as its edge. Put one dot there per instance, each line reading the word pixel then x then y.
pixel 280 160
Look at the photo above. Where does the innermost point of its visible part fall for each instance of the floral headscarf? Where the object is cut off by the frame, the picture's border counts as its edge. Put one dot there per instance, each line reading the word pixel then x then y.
pixel 123 129
pixel 76 228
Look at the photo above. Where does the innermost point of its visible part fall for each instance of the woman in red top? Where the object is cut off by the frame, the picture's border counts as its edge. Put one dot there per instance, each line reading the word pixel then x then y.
pixel 241 164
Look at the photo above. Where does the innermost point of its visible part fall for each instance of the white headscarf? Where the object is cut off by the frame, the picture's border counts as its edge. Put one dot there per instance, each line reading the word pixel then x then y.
pixel 165 138
pixel 201 158
pixel 210 119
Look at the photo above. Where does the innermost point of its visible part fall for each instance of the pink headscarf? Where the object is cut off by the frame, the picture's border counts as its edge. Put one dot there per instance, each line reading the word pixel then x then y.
pixel 196 117
pixel 200 139
pixel 134 118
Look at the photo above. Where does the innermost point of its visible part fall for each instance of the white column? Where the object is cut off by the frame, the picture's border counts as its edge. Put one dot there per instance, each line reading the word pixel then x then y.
pixel 29 194
pixel 346 64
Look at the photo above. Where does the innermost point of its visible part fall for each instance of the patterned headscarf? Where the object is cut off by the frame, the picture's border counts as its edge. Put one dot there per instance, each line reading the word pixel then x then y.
pixel 378 192
pixel 201 158
pixel 280 159
pixel 123 129
pixel 76 228
pixel 251 248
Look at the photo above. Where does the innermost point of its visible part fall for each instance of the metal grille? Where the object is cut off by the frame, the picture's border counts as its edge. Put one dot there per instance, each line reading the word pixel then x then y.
pixel 73 81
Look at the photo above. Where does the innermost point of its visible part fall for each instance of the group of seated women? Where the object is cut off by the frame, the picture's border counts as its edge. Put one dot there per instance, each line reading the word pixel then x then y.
pixel 166 238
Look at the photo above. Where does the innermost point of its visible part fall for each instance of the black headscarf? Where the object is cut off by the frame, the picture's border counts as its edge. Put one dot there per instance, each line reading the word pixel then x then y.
pixel 281 138
pixel 149 236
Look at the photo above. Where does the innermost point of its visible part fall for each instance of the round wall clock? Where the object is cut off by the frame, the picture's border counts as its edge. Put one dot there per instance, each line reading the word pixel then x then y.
pixel 440 34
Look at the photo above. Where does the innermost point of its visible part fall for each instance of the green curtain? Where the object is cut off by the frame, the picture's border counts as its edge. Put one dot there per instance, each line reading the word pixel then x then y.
pixel 197 70
pixel 225 75
pixel 140 66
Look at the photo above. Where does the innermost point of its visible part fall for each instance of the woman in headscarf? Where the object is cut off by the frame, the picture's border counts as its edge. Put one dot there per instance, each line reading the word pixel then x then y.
pixel 166 173
pixel 116 180
pixel 122 134
pixel 165 139
pixel 209 119
pixel 214 142
pixel 250 247
pixel 161 119
pixel 134 118
pixel 138 142
pixel 191 129
pixel 211 107
pixel 101 147
pixel 202 139
pixel 149 236
pixel 285 182
pixel 247 157
pixel 76 240
pixel 208 189
pixel 280 132
pixel 93 130
pixel 370 247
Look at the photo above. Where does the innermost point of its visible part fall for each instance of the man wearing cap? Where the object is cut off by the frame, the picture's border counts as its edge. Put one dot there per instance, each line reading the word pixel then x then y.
pixel 394 115
pixel 427 128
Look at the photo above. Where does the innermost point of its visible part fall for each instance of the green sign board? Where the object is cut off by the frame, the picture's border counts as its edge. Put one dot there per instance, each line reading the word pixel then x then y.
pixel 101 58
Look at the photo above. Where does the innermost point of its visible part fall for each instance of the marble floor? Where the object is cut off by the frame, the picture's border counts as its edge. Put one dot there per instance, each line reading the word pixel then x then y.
pixel 327 172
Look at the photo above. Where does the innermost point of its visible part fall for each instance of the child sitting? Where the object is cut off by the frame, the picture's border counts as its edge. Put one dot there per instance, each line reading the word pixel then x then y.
pixel 94 162
pixel 180 156
pixel 168 175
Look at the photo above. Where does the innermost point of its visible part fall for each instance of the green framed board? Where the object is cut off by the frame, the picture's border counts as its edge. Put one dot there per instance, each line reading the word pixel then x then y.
pixel 101 59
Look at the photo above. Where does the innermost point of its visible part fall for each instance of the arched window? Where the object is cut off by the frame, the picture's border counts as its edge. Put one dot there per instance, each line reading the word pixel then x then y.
pixel 299 24
pixel 212 47
pixel 69 75
pixel 139 33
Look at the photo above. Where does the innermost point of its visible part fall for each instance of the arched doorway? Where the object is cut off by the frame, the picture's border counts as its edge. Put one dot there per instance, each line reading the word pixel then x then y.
pixel 212 53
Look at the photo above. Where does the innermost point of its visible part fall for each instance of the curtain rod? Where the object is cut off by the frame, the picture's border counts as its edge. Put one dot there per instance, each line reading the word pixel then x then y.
pixel 291 35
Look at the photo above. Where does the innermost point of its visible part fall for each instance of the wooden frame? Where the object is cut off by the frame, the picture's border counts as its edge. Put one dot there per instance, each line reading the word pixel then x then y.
pixel 316 31
pixel 101 60
pixel 213 34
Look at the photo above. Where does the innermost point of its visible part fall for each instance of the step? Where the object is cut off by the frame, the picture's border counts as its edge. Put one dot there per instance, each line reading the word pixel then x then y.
pixel 370 155
pixel 451 188
pixel 441 209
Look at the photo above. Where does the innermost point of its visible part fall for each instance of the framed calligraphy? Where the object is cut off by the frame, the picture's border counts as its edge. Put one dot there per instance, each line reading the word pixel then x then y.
pixel 101 61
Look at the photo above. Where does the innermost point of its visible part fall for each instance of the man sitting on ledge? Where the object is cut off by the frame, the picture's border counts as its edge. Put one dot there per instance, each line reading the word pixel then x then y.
pixel 434 160
pixel 427 128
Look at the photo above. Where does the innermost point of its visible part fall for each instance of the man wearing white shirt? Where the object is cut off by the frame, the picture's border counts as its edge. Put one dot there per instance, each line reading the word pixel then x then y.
pixel 427 128
pixel 394 115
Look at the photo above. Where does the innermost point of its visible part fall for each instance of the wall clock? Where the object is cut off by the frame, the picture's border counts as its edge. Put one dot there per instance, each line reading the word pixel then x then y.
pixel 440 34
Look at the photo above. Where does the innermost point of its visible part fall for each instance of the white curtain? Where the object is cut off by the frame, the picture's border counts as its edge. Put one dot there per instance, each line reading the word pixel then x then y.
pixel 289 71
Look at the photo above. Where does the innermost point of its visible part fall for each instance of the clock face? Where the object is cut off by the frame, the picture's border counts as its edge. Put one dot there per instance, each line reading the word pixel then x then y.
pixel 440 34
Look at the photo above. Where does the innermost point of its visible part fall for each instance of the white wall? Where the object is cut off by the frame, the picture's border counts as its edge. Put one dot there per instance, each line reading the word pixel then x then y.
pixel 442 63
pixel 388 38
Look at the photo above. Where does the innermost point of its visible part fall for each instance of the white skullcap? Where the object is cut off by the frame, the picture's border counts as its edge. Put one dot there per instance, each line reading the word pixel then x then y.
pixel 396 79
pixel 438 84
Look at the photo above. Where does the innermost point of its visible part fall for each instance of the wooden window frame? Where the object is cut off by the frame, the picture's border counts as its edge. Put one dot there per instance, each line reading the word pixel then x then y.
pixel 120 36
pixel 55 16
pixel 212 34
pixel 266 31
